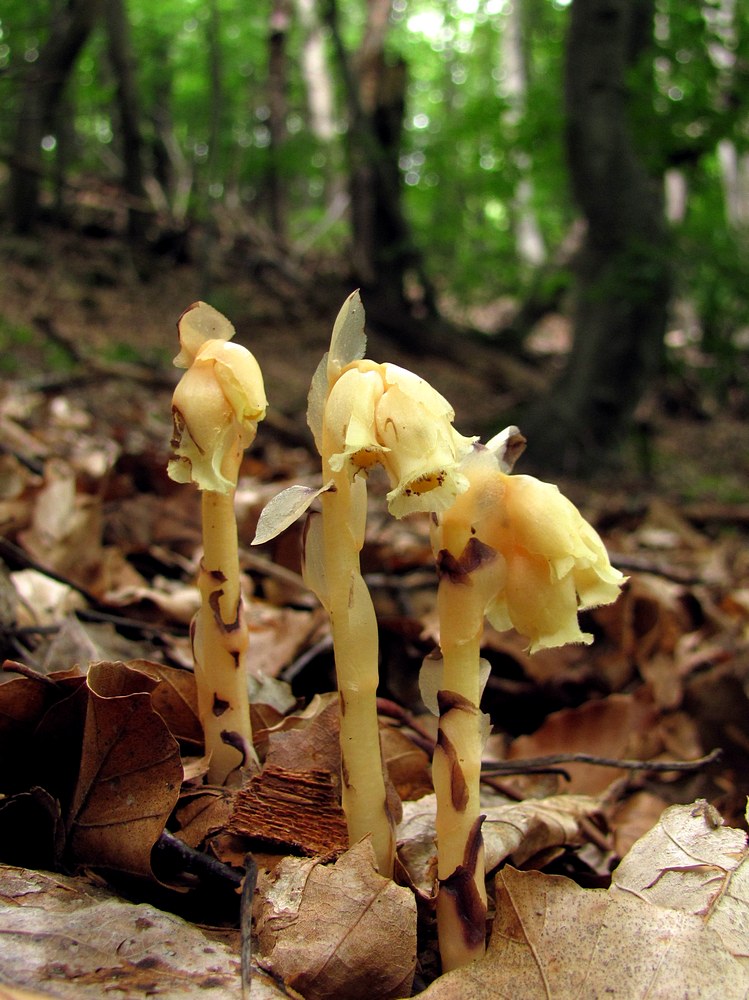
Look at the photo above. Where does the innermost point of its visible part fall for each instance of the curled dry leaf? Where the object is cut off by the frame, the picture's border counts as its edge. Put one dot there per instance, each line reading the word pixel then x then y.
pixel 175 699
pixel 129 776
pixel 339 931
pixel 674 924
pixel 517 830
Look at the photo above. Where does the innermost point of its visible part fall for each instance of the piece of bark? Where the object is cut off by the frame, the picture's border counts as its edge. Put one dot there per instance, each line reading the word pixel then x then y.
pixel 296 809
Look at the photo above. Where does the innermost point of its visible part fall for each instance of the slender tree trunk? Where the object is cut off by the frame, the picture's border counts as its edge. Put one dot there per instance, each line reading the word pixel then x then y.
pixel 278 71
pixel 316 74
pixel 517 26
pixel 383 248
pixel 43 87
pixel 622 271
pixel 128 106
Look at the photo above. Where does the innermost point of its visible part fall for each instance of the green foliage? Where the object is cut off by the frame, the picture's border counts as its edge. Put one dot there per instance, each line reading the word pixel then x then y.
pixel 470 142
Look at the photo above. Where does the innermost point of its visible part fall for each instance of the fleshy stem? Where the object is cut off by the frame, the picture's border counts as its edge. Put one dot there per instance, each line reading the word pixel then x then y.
pixel 220 642
pixel 355 644
pixel 461 901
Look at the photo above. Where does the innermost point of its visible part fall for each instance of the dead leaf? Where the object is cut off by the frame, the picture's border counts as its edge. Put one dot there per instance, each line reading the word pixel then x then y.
pixel 340 930
pixel 691 862
pixel 66 526
pixel 129 776
pixel 516 830
pixel 553 939
pixel 632 819
pixel 408 766
pixel 73 940
pixel 202 813
pixel 277 635
pixel 608 728
pixel 175 698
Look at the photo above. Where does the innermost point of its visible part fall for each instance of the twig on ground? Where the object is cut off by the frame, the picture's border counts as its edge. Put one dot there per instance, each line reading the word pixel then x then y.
pixel 535 765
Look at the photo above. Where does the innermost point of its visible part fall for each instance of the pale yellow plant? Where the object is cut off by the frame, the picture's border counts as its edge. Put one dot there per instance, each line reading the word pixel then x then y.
pixel 216 408
pixel 515 550
pixel 364 414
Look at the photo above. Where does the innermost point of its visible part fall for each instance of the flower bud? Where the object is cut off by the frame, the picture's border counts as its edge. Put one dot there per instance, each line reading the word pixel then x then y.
pixel 215 408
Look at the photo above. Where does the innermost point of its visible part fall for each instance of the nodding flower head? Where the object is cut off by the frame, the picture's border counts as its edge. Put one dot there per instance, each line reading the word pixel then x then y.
pixel 387 415
pixel 217 404
pixel 552 562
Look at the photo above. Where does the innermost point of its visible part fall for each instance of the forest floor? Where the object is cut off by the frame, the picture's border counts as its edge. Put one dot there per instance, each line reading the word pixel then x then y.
pixel 85 388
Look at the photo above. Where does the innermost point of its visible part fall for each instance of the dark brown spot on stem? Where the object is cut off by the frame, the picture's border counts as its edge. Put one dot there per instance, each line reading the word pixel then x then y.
pixel 458 784
pixel 234 739
pixel 214 600
pixel 475 554
pixel 474 844
pixel 468 904
pixel 450 700
pixel 220 705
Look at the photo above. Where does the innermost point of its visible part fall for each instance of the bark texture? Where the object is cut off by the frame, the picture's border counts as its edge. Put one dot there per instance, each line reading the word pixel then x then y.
pixel 42 92
pixel 622 271
pixel 383 251
pixel 128 107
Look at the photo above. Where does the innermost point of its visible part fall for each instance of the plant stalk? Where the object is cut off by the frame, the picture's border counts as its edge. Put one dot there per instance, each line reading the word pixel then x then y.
pixel 355 644
pixel 220 642
pixel 456 772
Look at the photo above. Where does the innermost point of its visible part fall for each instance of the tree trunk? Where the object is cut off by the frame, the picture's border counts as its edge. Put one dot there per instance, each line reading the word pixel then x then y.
pixel 622 272
pixel 518 25
pixel 383 250
pixel 128 106
pixel 278 71
pixel 42 89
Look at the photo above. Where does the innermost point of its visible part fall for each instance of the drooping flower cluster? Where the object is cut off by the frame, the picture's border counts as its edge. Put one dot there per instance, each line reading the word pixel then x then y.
pixel 381 413
pixel 550 563
pixel 217 403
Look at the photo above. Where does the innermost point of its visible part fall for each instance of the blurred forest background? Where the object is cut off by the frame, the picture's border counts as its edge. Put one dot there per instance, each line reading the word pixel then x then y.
pixel 550 195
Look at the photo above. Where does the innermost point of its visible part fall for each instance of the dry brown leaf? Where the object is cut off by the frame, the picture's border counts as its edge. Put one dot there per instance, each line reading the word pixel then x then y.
pixel 78 642
pixel 407 765
pixel 202 813
pixel 609 728
pixel 633 818
pixel 691 862
pixel 66 526
pixel 338 931
pixel 515 830
pixel 72 940
pixel 553 939
pixel 175 698
pixel 129 776
pixel 277 635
